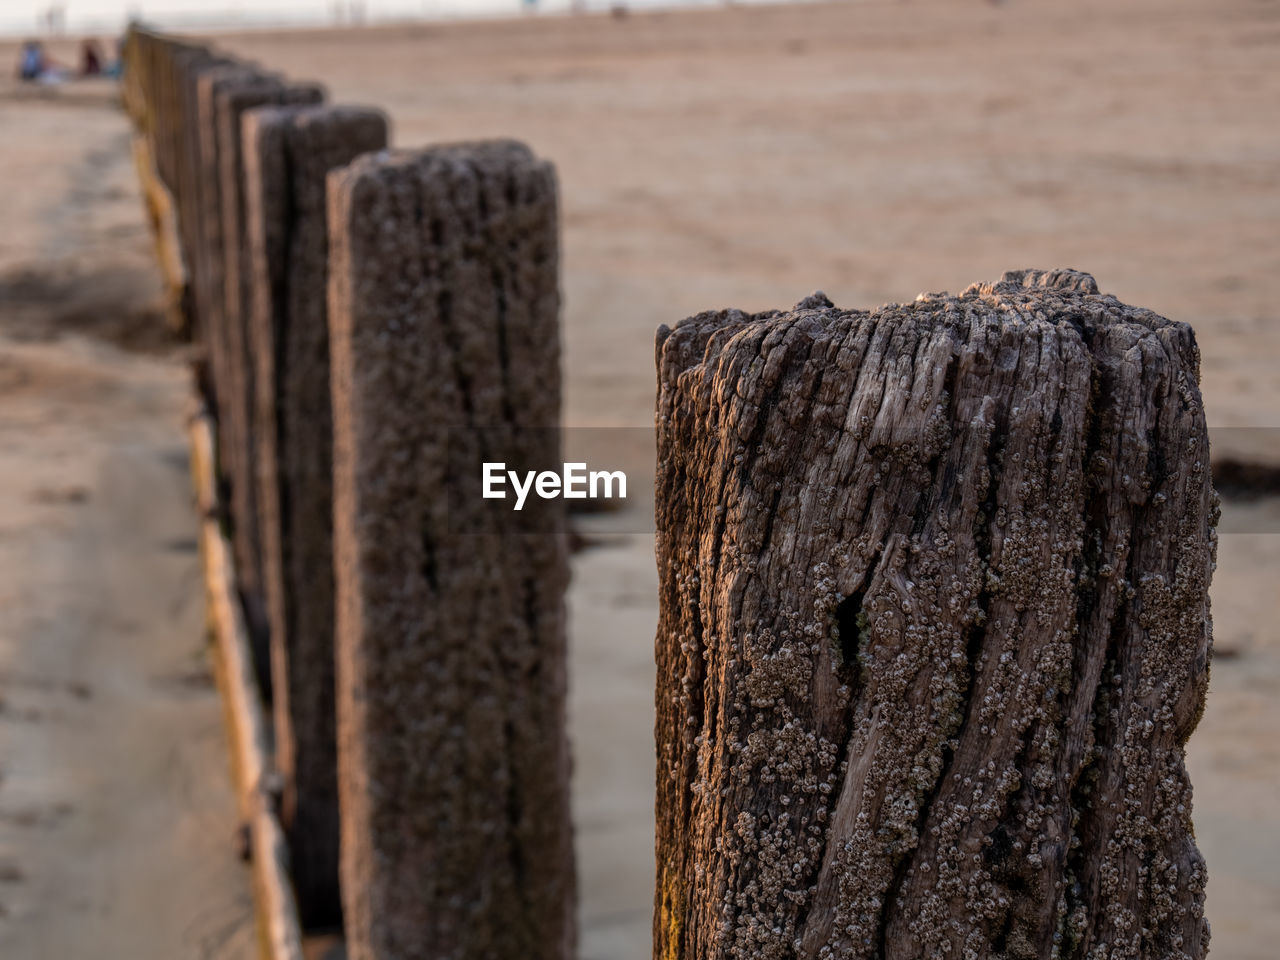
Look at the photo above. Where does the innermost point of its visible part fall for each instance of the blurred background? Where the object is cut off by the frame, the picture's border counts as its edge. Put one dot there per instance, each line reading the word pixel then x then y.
pixel 80 16
pixel 742 155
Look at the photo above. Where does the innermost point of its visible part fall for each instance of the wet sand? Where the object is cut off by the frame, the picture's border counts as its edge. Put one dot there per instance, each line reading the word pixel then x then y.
pixel 117 817
pixel 745 158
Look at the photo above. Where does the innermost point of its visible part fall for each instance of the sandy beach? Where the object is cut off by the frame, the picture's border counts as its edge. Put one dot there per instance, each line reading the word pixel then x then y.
pixel 117 817
pixel 741 157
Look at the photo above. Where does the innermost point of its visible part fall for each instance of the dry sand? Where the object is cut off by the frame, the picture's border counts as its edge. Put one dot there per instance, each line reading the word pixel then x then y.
pixel 724 158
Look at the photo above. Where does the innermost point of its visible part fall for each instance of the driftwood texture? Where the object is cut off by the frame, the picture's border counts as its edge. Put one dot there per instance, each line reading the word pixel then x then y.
pixel 934 629
pixel 288 152
pixel 452 754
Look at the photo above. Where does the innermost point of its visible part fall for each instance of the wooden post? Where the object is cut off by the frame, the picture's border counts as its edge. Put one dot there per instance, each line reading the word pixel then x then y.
pixel 158 90
pixel 207 255
pixel 207 250
pixel 195 185
pixel 934 629
pixel 233 376
pixel 187 62
pixel 288 151
pixel 165 216
pixel 452 754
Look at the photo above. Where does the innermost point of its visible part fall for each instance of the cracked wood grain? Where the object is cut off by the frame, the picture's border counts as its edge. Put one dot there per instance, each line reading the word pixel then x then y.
pixel 934 629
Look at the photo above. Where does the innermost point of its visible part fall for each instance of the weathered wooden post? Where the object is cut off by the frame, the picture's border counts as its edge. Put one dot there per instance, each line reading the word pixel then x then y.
pixel 288 151
pixel 223 94
pixel 188 63
pixel 194 186
pixel 236 400
pixel 210 295
pixel 171 206
pixel 934 629
pixel 452 753
pixel 208 246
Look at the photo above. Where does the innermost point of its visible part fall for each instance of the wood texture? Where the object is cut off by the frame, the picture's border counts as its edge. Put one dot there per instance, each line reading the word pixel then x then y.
pixel 208 253
pixel 452 751
pixel 288 151
pixel 233 378
pixel 934 629
pixel 159 90
pixel 207 249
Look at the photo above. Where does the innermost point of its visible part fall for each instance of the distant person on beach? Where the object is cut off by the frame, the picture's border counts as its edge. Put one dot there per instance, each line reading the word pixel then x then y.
pixel 90 59
pixel 32 62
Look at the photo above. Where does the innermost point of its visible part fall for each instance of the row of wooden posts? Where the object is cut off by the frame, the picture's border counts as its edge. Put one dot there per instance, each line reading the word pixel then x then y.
pixel 354 304
pixel 933 579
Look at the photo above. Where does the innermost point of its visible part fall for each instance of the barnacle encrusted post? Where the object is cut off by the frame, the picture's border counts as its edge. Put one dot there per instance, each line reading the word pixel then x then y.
pixel 934 629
